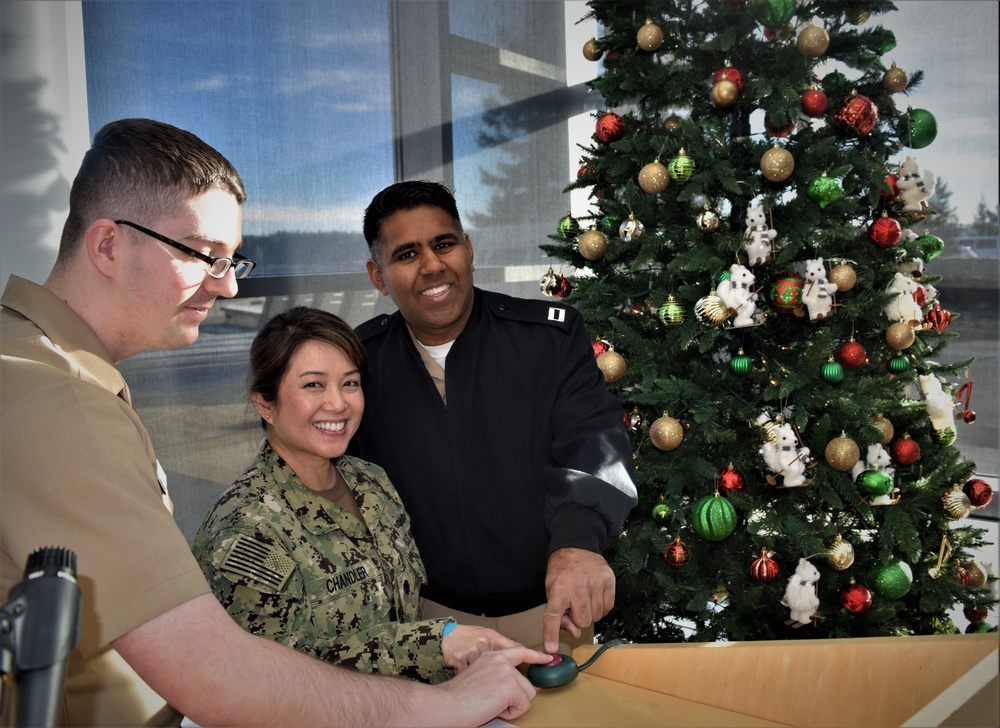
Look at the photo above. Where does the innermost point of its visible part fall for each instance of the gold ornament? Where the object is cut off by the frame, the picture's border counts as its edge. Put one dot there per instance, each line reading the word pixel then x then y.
pixel 841 554
pixel 900 336
pixel 956 503
pixel 885 427
pixel 857 16
pixel 592 51
pixel 842 453
pixel 977 576
pixel 711 309
pixel 777 164
pixel 813 41
pixel 895 80
pixel 592 244
pixel 649 36
pixel 612 365
pixel 672 124
pixel 724 92
pixel 654 177
pixel 844 276
pixel 666 433
pixel 708 220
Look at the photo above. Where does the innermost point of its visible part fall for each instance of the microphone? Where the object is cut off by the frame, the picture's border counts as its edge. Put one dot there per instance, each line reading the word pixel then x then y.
pixel 39 628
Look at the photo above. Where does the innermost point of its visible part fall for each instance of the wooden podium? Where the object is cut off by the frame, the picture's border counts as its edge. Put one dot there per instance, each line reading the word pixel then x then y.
pixel 948 680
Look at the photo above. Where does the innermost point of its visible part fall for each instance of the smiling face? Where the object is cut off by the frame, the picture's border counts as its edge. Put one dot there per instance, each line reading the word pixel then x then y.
pixel 425 266
pixel 318 407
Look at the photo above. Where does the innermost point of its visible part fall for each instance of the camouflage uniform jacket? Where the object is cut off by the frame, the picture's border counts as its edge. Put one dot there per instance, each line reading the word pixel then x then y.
pixel 292 566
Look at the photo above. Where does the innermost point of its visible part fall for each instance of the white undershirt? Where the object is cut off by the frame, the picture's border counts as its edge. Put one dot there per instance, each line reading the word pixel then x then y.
pixel 439 353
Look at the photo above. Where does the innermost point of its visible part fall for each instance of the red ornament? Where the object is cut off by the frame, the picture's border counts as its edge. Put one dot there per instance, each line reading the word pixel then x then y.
pixel 729 74
pixel 968 416
pixel 677 554
pixel 729 479
pixel 858 115
pixel 786 293
pixel 610 127
pixel 961 575
pixel 852 354
pixel 975 614
pixel 886 231
pixel 920 295
pixel 938 318
pixel 600 346
pixel 776 130
pixel 813 102
pixel 905 450
pixel 585 171
pixel 979 492
pixel 764 569
pixel 889 191
pixel 564 288
pixel 856 598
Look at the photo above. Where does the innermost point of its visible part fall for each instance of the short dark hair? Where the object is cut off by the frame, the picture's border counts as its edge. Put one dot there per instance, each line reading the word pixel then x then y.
pixel 139 169
pixel 405 196
pixel 276 343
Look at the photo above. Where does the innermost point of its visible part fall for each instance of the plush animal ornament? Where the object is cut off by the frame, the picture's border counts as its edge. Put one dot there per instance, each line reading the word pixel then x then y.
pixel 877 458
pixel 817 290
pixel 800 594
pixel 784 457
pixel 940 406
pixel 738 295
pixel 903 306
pixel 914 186
pixel 758 237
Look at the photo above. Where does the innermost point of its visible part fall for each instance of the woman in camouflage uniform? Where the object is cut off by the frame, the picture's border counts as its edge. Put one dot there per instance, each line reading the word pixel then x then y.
pixel 312 547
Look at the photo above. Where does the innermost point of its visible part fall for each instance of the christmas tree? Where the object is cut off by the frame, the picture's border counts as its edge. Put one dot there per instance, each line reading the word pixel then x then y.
pixel 752 270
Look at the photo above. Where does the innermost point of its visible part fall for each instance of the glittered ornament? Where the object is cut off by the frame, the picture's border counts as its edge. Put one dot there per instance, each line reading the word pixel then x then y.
pixel 568 227
pixel 893 579
pixel 708 220
pixel 671 313
pixel 856 598
pixel 832 372
pixel 711 310
pixel 883 425
pixel 874 483
pixel 764 569
pixel 785 294
pixel 899 364
pixel 858 115
pixel 773 13
pixel 729 479
pixel 592 50
pixel 895 80
pixel 852 354
pixel 956 504
pixel 900 336
pixel 592 244
pixel 654 177
pixel 824 190
pixel 610 127
pixel 677 553
pixel 844 276
pixel 724 93
pixel 813 41
pixel 813 102
pixel 740 364
pixel 672 124
pixel 842 453
pixel 631 230
pixel 661 512
pixel 666 433
pixel 649 37
pixel 612 365
pixel 978 492
pixel 922 128
pixel 905 450
pixel 840 554
pixel 931 246
pixel 886 231
pixel 713 518
pixel 777 164
pixel 681 167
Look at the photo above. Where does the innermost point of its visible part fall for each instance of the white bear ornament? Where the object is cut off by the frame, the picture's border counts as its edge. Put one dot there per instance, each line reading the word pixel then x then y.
pixel 817 291
pixel 914 186
pixel 784 457
pixel 738 295
pixel 903 306
pixel 758 237
pixel 800 594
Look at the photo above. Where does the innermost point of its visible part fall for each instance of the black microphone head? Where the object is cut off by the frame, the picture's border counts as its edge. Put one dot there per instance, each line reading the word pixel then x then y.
pixel 50 561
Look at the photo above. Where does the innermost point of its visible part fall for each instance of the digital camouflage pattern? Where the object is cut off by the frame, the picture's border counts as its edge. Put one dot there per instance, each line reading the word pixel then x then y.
pixel 292 566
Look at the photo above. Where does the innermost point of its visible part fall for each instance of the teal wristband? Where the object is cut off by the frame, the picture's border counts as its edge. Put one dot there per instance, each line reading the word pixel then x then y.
pixel 449 627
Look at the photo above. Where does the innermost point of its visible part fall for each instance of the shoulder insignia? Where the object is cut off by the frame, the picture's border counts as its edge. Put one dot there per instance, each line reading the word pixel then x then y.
pixel 268 565
pixel 529 311
pixel 373 327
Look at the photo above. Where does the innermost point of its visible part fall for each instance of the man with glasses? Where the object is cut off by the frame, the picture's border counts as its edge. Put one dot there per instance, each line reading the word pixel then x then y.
pixel 149 245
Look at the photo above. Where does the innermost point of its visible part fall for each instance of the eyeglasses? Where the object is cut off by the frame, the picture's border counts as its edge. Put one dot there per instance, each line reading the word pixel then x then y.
pixel 217 267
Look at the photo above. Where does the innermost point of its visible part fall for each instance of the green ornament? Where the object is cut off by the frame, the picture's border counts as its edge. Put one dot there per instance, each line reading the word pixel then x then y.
pixel 681 167
pixel 946 437
pixel 713 518
pixel 922 128
pixel 723 276
pixel 610 224
pixel 894 579
pixel 832 372
pixel 888 44
pixel 661 512
pixel 899 364
pixel 671 312
pixel 568 227
pixel 824 190
pixel 773 13
pixel 875 483
pixel 832 81
pixel 931 246
pixel 740 364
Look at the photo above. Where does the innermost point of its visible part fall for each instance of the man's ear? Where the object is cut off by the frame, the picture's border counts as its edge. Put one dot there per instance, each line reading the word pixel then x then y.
pixel 375 276
pixel 468 246
pixel 102 243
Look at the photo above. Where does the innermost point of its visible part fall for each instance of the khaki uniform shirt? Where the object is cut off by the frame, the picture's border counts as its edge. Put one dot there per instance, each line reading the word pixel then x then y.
pixel 79 472
pixel 291 565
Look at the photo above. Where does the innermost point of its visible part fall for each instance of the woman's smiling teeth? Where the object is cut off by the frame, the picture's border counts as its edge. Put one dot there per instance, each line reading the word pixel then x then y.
pixel 437 290
pixel 330 426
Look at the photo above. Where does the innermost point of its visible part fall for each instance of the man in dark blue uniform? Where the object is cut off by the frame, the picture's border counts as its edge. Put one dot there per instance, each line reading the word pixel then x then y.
pixel 496 427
